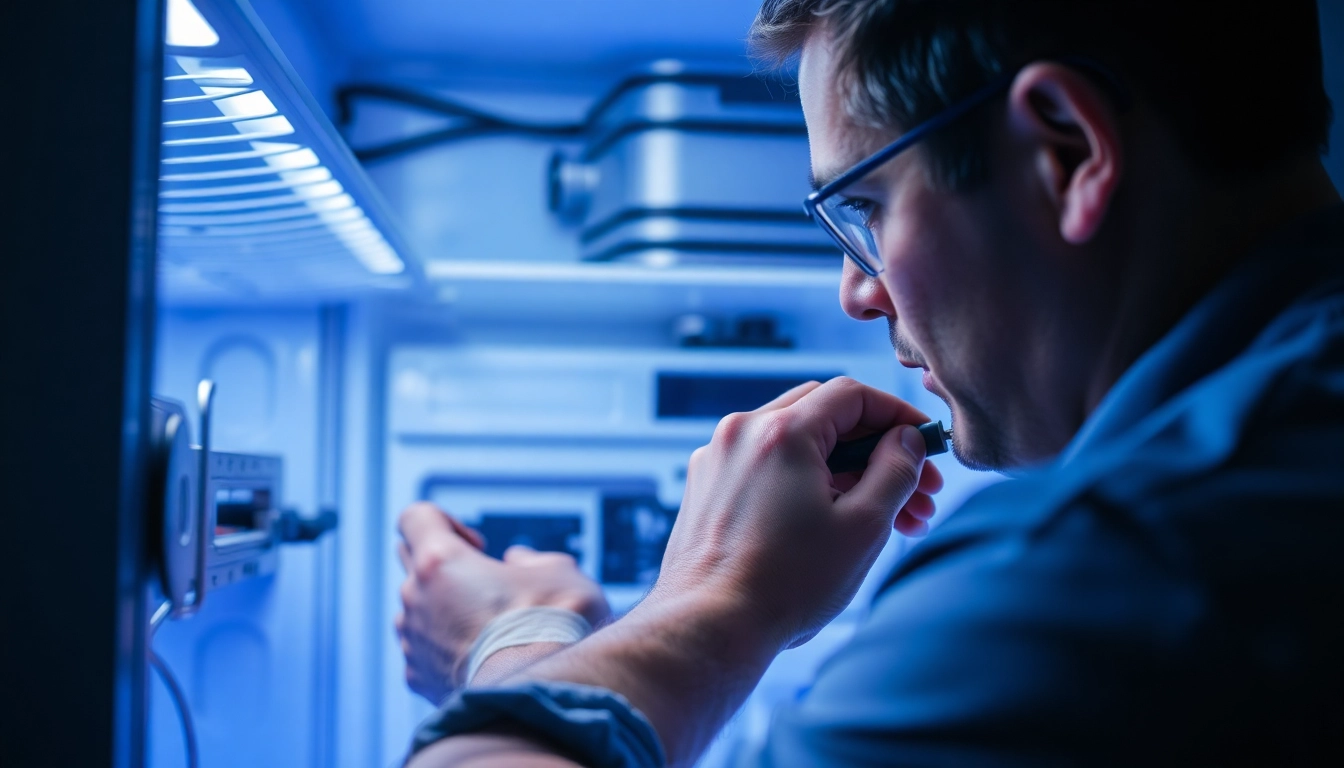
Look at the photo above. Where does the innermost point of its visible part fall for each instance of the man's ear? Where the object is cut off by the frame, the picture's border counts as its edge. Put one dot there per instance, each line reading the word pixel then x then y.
pixel 1074 135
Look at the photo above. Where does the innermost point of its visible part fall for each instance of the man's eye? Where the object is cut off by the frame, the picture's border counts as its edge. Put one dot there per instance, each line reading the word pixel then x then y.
pixel 866 209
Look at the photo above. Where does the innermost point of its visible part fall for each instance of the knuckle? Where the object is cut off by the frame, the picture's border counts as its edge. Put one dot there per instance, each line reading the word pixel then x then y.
pixel 413 510
pixel 519 554
pixel 784 422
pixel 845 382
pixel 777 428
pixel 846 386
pixel 697 458
pixel 427 561
pixel 731 427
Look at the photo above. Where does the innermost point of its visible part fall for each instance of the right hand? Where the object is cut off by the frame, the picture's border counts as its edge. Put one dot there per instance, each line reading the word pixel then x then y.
pixel 453 589
pixel 764 524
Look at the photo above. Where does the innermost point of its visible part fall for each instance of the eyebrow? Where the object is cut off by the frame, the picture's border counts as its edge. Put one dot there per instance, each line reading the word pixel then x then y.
pixel 831 174
pixel 826 178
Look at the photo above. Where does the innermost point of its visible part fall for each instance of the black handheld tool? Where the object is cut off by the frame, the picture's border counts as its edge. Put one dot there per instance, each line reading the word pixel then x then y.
pixel 852 455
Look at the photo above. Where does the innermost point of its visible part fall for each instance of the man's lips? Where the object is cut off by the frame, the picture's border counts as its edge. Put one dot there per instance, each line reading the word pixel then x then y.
pixel 928 380
pixel 911 363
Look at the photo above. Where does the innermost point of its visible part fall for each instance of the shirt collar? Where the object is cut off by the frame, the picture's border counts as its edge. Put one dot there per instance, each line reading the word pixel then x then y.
pixel 1299 257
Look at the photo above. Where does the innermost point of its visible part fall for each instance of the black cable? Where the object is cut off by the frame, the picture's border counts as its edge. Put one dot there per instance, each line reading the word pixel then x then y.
pixel 430 138
pixel 180 701
pixel 478 123
pixel 447 107
pixel 475 122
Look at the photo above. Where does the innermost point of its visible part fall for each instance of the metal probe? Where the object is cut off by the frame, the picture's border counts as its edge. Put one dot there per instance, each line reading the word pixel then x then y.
pixel 852 455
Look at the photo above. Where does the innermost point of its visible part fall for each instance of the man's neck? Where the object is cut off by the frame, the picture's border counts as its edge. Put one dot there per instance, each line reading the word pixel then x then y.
pixel 1181 251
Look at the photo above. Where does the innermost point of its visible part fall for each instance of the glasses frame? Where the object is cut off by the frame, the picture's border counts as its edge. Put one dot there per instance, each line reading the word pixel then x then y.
pixel 812 204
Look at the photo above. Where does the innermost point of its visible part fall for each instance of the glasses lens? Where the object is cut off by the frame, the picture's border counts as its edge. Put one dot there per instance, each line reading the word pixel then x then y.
pixel 848 222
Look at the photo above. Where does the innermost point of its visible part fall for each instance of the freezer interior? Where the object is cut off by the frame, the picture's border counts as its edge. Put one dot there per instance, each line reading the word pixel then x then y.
pixel 512 258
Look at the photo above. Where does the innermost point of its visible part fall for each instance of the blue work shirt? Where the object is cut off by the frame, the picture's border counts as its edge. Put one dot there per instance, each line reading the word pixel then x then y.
pixel 1169 590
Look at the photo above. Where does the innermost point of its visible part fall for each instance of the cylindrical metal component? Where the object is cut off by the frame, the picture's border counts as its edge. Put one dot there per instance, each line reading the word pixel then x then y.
pixel 936 439
pixel 570 185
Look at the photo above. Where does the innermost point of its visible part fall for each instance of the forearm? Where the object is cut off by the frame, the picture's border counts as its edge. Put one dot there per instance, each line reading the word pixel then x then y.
pixel 508 662
pixel 687 664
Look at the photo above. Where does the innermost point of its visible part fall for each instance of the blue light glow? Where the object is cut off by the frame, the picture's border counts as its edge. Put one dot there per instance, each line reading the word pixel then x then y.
pixel 187 28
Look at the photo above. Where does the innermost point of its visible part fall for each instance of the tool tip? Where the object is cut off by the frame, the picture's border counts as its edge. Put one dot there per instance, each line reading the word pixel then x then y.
pixel 936 438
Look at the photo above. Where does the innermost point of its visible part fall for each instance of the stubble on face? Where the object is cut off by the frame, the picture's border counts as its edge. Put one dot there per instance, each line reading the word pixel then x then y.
pixel 978 444
pixel 837 142
pixel 904 349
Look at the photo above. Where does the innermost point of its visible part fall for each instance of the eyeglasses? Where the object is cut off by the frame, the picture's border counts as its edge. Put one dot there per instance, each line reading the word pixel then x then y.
pixel 850 221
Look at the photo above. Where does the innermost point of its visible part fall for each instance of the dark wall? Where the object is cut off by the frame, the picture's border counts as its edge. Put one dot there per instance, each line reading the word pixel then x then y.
pixel 1332 41
pixel 75 299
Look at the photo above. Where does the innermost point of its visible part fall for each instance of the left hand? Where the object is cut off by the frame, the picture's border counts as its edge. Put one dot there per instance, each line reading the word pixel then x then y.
pixel 453 589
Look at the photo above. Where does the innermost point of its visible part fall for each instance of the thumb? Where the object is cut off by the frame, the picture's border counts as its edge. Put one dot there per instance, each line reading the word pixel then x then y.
pixel 892 475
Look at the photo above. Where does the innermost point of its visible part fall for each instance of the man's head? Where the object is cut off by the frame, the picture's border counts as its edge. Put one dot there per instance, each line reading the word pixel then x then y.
pixel 1017 241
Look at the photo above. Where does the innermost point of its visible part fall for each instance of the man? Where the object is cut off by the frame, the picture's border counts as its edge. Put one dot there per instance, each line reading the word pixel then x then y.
pixel 1103 231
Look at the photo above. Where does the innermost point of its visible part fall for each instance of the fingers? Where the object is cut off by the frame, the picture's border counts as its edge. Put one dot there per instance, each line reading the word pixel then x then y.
pixel 404 554
pixel 430 539
pixel 790 397
pixel 909 526
pixel 519 554
pixel 892 476
pixel 920 506
pixel 472 535
pixel 423 522
pixel 913 519
pixel 930 479
pixel 842 406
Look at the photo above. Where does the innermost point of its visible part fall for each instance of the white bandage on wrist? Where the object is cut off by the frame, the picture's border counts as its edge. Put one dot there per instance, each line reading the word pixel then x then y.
pixel 521 627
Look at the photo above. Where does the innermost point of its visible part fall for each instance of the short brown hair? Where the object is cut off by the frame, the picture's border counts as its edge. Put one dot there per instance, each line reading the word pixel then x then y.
pixel 1243 90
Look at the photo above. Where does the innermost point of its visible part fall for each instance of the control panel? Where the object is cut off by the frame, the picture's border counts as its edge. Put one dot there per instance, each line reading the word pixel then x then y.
pixel 215 517
pixel 243 493
pixel 577 450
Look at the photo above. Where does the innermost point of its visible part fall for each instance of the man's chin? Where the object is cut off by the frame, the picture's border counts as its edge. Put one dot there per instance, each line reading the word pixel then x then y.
pixel 975 442
pixel 968 455
pixel 973 439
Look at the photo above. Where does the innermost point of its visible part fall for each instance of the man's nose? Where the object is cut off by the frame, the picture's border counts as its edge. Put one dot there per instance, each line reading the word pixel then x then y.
pixel 863 297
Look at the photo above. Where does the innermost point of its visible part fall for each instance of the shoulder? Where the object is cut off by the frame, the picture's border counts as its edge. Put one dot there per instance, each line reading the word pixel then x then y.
pixel 1083 635
pixel 1004 644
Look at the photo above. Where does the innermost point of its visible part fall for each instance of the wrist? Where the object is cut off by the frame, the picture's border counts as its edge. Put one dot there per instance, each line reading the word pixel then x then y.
pixel 592 607
pixel 522 627
pixel 508 662
pixel 685 661
pixel 715 624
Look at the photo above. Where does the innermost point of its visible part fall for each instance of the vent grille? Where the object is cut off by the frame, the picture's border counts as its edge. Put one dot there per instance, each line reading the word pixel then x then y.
pixel 258 194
